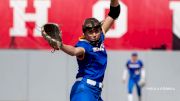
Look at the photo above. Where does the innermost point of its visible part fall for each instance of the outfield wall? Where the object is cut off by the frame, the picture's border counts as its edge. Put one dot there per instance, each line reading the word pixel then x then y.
pixel 29 75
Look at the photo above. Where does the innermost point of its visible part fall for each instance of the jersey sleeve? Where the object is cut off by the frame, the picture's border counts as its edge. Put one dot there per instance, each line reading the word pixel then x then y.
pixel 141 63
pixel 127 63
pixel 83 45
pixel 102 37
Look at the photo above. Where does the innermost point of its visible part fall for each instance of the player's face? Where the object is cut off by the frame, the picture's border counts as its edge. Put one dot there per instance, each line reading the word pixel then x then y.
pixel 134 58
pixel 93 34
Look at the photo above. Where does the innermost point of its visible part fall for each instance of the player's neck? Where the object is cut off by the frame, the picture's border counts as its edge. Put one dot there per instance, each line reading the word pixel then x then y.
pixel 133 61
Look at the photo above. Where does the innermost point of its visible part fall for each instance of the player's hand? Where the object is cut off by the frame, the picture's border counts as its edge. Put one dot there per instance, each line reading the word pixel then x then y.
pixel 123 81
pixel 142 83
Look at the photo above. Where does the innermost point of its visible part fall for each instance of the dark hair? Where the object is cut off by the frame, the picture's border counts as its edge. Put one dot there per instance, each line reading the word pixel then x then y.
pixel 134 54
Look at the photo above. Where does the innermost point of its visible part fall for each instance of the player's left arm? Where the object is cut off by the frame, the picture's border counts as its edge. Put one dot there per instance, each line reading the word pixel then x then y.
pixel 125 73
pixel 142 81
pixel 143 73
pixel 112 16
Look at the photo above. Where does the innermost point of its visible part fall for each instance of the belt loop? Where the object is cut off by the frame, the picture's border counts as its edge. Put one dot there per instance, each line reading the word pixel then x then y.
pixel 89 81
pixel 100 85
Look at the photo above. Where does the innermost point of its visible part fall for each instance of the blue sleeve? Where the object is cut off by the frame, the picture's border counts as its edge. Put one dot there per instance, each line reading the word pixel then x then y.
pixel 83 45
pixel 127 64
pixel 141 63
pixel 102 37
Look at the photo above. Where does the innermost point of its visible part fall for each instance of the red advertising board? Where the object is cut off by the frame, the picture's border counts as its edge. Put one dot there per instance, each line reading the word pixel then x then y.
pixel 143 24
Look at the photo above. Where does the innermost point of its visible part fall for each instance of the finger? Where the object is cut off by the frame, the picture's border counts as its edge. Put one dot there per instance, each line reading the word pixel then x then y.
pixel 48 37
pixel 42 30
pixel 59 44
pixel 44 34
pixel 54 40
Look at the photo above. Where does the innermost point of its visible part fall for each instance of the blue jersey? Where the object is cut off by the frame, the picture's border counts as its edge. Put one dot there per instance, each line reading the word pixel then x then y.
pixel 134 68
pixel 93 65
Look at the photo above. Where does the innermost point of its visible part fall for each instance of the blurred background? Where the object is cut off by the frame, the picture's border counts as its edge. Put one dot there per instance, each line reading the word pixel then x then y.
pixel 30 72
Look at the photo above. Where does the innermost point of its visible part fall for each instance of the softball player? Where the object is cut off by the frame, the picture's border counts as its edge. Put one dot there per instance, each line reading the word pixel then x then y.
pixel 136 73
pixel 91 55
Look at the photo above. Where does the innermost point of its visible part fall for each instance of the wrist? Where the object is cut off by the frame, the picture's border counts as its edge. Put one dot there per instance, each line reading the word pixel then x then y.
pixel 114 11
pixel 60 45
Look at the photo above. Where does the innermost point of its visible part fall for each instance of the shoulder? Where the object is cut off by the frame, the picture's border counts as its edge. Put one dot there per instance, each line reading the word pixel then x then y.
pixel 140 61
pixel 128 61
pixel 102 35
pixel 84 44
pixel 81 43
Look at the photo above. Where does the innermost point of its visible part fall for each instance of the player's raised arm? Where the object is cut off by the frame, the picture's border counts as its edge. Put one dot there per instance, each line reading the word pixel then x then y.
pixel 113 15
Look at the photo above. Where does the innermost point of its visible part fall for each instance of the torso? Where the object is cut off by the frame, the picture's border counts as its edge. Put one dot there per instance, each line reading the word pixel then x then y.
pixel 93 65
pixel 134 68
